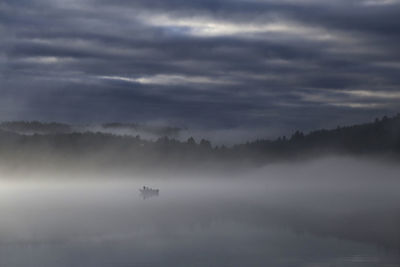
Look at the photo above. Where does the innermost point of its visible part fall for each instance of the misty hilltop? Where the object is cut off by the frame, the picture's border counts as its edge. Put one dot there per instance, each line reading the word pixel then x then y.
pixel 116 128
pixel 55 144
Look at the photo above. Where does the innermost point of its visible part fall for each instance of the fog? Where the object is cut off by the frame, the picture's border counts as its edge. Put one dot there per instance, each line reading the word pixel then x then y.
pixel 327 212
pixel 147 131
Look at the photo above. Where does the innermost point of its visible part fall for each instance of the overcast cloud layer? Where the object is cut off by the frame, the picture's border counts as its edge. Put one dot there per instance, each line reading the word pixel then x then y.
pixel 278 64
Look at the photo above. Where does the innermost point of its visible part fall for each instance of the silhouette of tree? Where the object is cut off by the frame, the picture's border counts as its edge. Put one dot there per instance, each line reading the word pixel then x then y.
pixel 205 143
pixel 191 141
pixel 378 137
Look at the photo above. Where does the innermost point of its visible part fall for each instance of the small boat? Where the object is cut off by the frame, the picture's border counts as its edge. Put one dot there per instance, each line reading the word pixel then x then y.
pixel 147 192
pixel 146 189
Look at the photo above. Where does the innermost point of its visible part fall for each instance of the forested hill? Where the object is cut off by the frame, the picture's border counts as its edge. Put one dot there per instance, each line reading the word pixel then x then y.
pixel 37 127
pixel 380 136
pixel 91 149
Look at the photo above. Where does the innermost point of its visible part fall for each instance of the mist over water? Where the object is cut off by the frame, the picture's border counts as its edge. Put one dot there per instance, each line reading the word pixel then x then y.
pixel 328 212
pixel 200 133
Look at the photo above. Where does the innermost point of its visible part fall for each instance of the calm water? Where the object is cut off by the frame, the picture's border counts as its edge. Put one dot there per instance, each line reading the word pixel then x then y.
pixel 278 216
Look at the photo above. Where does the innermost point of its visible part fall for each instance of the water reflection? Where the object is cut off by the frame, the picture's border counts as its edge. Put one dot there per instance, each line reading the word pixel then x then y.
pixel 267 222
pixel 147 192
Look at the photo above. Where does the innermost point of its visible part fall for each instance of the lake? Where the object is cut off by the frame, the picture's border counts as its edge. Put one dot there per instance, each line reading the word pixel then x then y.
pixel 333 212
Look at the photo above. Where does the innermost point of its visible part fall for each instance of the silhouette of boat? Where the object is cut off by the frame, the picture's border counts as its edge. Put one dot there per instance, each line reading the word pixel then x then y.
pixel 147 192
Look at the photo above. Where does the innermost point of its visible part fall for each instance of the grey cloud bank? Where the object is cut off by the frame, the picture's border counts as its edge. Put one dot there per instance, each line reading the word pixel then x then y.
pixel 278 65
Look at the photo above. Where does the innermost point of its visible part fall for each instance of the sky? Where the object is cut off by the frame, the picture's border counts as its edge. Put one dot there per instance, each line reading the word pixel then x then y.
pixel 266 66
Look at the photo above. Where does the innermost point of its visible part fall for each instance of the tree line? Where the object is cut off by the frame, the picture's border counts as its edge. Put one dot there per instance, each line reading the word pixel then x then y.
pixel 381 136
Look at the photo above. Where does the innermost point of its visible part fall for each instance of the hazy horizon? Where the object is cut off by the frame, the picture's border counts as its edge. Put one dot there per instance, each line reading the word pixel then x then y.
pixel 155 130
pixel 199 133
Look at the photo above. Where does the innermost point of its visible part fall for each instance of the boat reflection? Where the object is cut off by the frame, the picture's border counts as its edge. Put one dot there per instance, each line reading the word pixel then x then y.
pixel 147 192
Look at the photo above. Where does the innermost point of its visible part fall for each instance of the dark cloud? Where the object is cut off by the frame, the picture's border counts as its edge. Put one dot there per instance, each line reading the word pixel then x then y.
pixel 278 65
